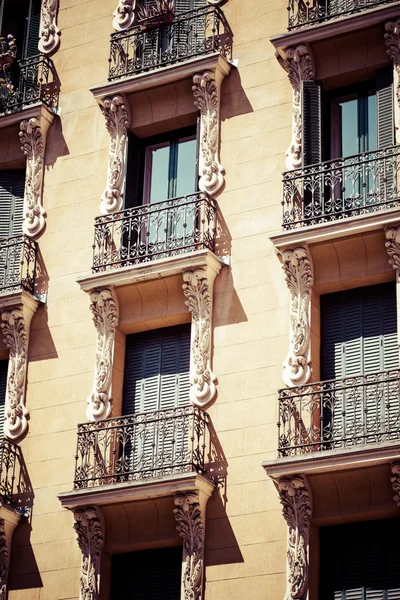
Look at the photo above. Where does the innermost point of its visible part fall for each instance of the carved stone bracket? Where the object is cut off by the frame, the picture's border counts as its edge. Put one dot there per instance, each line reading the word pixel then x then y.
pixel 206 91
pixel 295 497
pixel 124 15
pixel 116 113
pixel 190 518
pixel 104 307
pixel 198 291
pixel 298 269
pixel 49 32
pixel 392 40
pixel 393 249
pixel 4 561
pixel 299 64
pixel 89 526
pixel 15 325
pixel 33 148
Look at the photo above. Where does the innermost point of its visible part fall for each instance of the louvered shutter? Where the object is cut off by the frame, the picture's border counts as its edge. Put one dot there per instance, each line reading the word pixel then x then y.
pixel 147 575
pixel 385 107
pixel 3 387
pixel 311 122
pixel 11 218
pixel 33 29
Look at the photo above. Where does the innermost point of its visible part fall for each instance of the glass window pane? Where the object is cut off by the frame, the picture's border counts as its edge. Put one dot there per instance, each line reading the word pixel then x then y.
pixel 349 127
pixel 186 169
pixel 156 173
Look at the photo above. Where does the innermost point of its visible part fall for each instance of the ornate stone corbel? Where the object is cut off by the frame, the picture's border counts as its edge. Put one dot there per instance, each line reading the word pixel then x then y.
pixel 392 40
pixel 33 148
pixel 393 249
pixel 49 32
pixel 124 15
pixel 295 497
pixel 206 91
pixel 198 291
pixel 4 561
pixel 299 64
pixel 190 517
pixel 116 113
pixel 104 307
pixel 395 481
pixel 15 325
pixel 89 526
pixel 299 279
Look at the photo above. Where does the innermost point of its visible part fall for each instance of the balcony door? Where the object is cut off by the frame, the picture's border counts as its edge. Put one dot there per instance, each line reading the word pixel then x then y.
pixel 12 184
pixel 156 381
pixel 359 338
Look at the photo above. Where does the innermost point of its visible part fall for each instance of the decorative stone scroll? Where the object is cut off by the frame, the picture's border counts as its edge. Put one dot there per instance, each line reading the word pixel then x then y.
pixel 190 526
pixel 393 249
pixel 116 113
pixel 295 497
pixel 299 64
pixel 197 288
pixel 124 15
pixel 33 148
pixel 4 561
pixel 392 39
pixel 104 307
pixel 395 481
pixel 49 32
pixel 299 279
pixel 89 526
pixel 206 92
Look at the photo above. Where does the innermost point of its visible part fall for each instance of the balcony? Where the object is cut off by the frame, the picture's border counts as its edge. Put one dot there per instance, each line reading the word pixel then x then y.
pixel 140 447
pixel 154 231
pixel 17 264
pixel 302 13
pixel 11 474
pixel 345 187
pixel 33 81
pixel 343 413
pixel 149 46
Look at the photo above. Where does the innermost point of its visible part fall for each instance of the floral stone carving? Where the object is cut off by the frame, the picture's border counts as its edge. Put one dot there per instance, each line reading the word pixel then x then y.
pixel 395 481
pixel 392 40
pixel 190 526
pixel 89 527
pixel 104 307
pixel 393 249
pixel 207 100
pixel 124 15
pixel 15 333
pixel 49 32
pixel 198 292
pixel 295 497
pixel 116 114
pixel 4 561
pixel 299 279
pixel 33 148
pixel 299 65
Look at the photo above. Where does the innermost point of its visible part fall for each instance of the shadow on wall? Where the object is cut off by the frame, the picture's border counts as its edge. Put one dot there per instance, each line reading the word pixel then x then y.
pixel 24 571
pixel 56 146
pixel 234 99
pixel 41 345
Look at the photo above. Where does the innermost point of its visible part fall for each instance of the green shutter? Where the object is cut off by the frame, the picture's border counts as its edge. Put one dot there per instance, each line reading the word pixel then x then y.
pixel 311 122
pixel 3 388
pixel 385 107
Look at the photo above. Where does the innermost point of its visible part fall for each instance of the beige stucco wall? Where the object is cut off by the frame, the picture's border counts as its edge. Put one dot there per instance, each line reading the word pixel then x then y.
pixel 245 538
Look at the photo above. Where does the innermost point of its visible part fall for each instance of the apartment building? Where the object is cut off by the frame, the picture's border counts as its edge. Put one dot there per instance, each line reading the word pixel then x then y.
pixel 199 262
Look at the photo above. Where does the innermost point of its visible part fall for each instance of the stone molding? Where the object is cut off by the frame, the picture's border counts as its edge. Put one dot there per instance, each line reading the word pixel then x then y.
pixel 89 526
pixel 49 39
pixel 295 497
pixel 190 518
pixel 206 92
pixel 104 307
pixel 299 65
pixel 298 269
pixel 116 113
pixel 392 40
pixel 33 147
pixel 393 248
pixel 15 326
pixel 198 291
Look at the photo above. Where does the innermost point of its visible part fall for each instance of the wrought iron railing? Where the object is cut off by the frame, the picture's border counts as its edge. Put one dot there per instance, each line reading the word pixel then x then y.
pixel 308 12
pixel 147 46
pixel 30 80
pixel 341 188
pixel 10 472
pixel 340 413
pixel 141 446
pixel 17 264
pixel 153 231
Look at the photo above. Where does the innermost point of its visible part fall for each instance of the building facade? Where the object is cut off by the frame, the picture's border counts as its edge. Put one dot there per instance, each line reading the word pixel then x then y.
pixel 199 271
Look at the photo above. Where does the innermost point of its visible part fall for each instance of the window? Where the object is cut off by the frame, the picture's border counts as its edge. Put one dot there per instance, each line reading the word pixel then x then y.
pixel 147 575
pixel 359 561
pixel 21 18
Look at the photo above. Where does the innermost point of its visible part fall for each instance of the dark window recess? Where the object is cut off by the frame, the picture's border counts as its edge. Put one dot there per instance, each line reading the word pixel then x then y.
pixel 157 370
pixel 21 18
pixel 147 575
pixel 360 561
pixel 3 388
pixel 312 122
